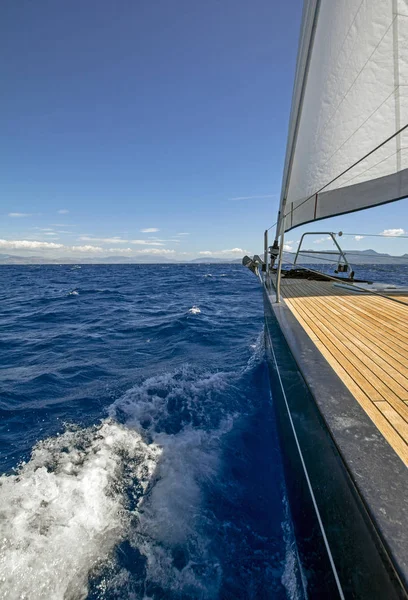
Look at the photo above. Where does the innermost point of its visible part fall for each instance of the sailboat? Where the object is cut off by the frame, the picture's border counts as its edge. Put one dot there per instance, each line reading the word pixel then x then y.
pixel 337 346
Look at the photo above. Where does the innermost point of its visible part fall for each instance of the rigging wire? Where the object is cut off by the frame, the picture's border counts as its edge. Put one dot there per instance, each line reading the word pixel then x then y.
pixel 272 226
pixel 304 252
pixel 377 256
pixel 356 287
pixel 377 235
pixel 343 173
pixel 351 167
pixel 346 253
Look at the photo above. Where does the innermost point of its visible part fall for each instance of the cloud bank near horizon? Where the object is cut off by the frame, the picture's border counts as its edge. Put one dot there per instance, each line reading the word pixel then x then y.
pixel 57 250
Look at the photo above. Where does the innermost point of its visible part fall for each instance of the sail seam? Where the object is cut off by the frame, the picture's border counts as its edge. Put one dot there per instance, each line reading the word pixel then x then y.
pixel 396 80
pixel 352 166
pixel 359 73
pixel 345 67
pixel 326 542
pixel 376 165
pixel 359 127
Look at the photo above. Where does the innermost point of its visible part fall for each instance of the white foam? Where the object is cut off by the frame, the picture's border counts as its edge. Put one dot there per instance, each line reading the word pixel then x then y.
pixel 293 578
pixel 172 515
pixel 63 512
pixel 73 293
pixel 194 310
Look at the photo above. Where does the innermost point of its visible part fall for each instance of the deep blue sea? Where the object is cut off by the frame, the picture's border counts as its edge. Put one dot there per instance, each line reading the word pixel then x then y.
pixel 138 446
pixel 137 437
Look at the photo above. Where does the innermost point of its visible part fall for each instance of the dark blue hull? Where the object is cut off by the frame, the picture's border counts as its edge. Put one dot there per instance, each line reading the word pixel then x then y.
pixel 340 550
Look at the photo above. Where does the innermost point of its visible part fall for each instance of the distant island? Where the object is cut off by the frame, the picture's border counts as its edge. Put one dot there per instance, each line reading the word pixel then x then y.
pixel 10 259
pixel 355 257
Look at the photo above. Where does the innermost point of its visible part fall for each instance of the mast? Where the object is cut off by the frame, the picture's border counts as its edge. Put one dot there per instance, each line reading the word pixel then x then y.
pixel 308 29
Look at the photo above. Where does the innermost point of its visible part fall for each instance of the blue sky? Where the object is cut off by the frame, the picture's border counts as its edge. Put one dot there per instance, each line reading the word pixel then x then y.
pixel 124 117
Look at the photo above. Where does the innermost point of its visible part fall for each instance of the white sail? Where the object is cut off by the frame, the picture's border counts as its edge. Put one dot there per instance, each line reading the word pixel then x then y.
pixel 350 96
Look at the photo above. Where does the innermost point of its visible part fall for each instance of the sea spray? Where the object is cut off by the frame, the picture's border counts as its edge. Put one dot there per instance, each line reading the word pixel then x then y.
pixel 63 511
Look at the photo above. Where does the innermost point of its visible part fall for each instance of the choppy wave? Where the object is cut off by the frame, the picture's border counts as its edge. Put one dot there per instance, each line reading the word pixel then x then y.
pixel 167 483
pixel 194 310
pixel 137 477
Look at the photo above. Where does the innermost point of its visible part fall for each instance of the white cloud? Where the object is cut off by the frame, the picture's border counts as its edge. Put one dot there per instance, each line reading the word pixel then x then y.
pixel 254 197
pixel 149 230
pixel 120 250
pixel 28 245
pixel 162 251
pixel 84 248
pixel 287 247
pixel 358 237
pixel 18 215
pixel 393 232
pixel 232 251
pixel 146 242
pixel 50 233
pixel 112 240
pixel 156 239
pixel 63 211
pixel 183 233
pixel 36 245
pixel 321 240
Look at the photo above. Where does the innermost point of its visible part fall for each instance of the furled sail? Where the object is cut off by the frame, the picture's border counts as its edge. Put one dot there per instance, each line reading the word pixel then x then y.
pixel 350 99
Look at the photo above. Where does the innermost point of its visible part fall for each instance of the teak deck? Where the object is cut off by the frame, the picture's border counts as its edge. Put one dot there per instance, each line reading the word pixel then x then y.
pixel 364 337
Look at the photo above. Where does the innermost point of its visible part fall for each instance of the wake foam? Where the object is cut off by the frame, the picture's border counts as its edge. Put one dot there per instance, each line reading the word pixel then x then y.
pixel 139 478
pixel 180 413
pixel 62 513
pixel 293 578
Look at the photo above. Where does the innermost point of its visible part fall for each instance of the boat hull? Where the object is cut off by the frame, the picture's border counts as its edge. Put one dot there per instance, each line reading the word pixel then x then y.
pixel 340 550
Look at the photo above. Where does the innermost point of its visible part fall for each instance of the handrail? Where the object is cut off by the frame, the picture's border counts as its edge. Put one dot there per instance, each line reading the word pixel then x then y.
pixel 340 252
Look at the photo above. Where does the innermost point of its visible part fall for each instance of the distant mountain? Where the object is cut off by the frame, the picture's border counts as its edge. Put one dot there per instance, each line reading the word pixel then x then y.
pixel 213 260
pixel 9 259
pixel 355 257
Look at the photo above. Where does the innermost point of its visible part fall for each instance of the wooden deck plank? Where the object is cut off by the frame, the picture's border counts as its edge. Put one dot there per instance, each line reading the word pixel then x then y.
pixel 318 288
pixel 387 342
pixel 383 384
pixel 330 353
pixel 367 352
pixel 394 418
pixel 365 340
pixel 348 301
pixel 337 350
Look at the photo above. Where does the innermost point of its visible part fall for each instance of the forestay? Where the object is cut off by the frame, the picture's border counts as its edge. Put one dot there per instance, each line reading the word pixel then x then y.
pixel 350 95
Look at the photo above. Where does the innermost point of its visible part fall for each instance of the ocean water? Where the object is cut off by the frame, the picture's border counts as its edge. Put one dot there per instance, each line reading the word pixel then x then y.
pixel 138 449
